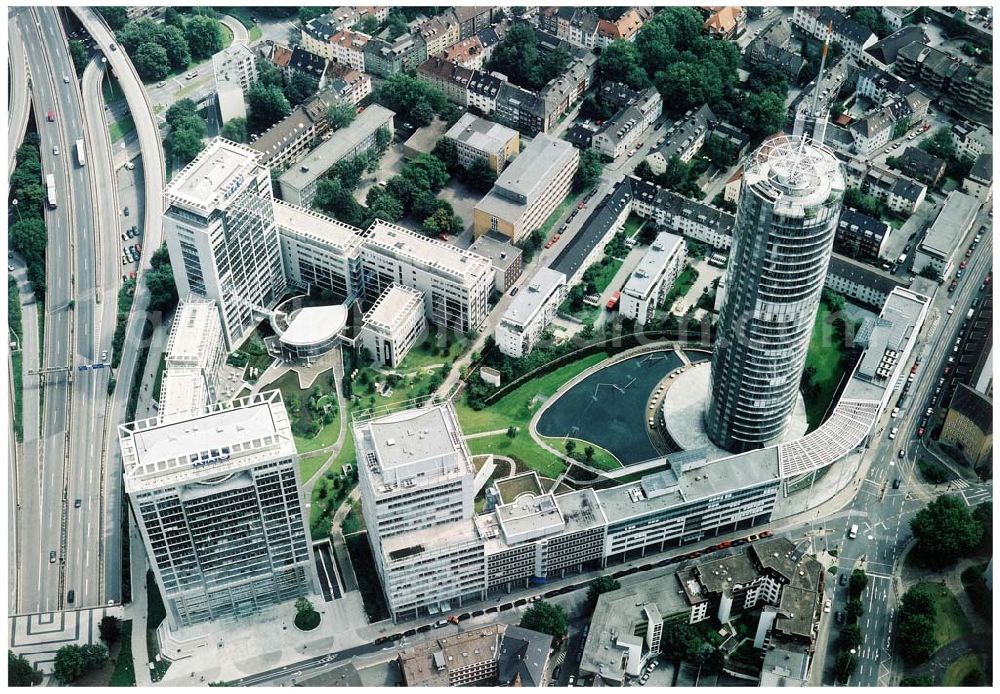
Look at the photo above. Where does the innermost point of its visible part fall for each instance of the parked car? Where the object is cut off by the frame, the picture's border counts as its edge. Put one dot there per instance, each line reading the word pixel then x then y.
pixel 513 291
pixel 55 150
pixel 125 211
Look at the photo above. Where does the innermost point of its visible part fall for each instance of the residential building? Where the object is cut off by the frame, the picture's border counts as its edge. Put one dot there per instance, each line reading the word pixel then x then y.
pixel 683 139
pixel 561 93
pixel 472 20
pixel 311 64
pixel 194 356
pixel 348 48
pixel 942 242
pixel 528 190
pixel 350 87
pixel 873 131
pixel 972 88
pixel 483 91
pixel 627 127
pixel 439 33
pixel 853 37
pixel 216 499
pixel 773 288
pixel 905 195
pixel 235 69
pixel 860 236
pixel 450 78
pixel 967 89
pixel 896 16
pixel 385 59
pixel 968 426
pixel 319 253
pixel 650 282
pixel 860 282
pixel 697 220
pixel 587 245
pixel 880 86
pixel 489 39
pixel 882 54
pixel 731 191
pixel 393 325
pixel 298 183
pixel 469 53
pixel 762 52
pixel 519 109
pixel 979 182
pixel 507 259
pixel 530 313
pixel 317 33
pixel 972 140
pixel 921 165
pixel 625 28
pixel 479 139
pixel 456 284
pixel 727 23
pixel 220 232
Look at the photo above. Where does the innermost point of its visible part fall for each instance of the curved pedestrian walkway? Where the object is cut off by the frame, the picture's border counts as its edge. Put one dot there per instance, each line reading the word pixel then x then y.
pixel 980 643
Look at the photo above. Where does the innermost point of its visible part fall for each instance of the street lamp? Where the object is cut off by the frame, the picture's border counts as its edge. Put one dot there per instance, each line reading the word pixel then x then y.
pixel 16 208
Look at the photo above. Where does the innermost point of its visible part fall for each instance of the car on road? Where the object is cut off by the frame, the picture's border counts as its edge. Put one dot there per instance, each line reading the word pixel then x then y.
pixel 50 116
pixel 114 47
pixel 962 265
pixel 104 355
pixel 929 412
pixel 892 434
pixel 514 290
pixel 71 596
pixel 572 679
pixel 842 579
pixel 827 606
pixel 968 253
pixel 55 150
pixel 77 503
pixel 10 268
pixel 125 260
pixel 52 556
pixel 895 412
pixel 951 309
pixel 920 431
pixel 895 483
pixel 161 83
pixel 840 617
pixel 191 75
pixel 902 453
pixel 129 165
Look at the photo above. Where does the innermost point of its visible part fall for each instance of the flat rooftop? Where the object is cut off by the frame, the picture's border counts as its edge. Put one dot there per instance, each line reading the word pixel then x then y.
pixel 224 437
pixel 313 325
pixel 463 266
pixel 195 327
pixel 429 663
pixel 393 306
pixel 415 542
pixel 221 170
pixel 317 226
pixel 640 283
pixel 481 134
pixel 182 394
pixel 501 252
pixel 952 222
pixel 532 297
pixel 534 168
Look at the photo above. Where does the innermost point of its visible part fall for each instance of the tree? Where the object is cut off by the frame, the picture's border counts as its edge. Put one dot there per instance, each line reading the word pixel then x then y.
pixel 983 514
pixel 115 16
pixel 173 18
pixel 480 176
pixel 340 115
pixel 110 629
pixel 204 36
pixel 382 205
pixel 266 105
pixel 546 618
pixel 940 144
pixel 915 628
pixel 763 114
pixel 917 681
pixel 78 52
pixel 588 454
pixel 511 432
pixel 151 61
pixel 854 609
pixel 858 582
pixel 300 87
pixel 599 586
pixel 368 25
pixel 679 640
pixel 589 169
pixel 945 530
pixel 185 144
pixel 235 129
pixel 871 18
pixel 847 663
pixel 72 661
pixel 307 14
pixel 850 637
pixel 422 114
pixel 269 75
pixel 570 446
pixel 619 62
pixel 690 84
pixel 175 44
pixel 138 32
pixel 20 672
pixel 160 282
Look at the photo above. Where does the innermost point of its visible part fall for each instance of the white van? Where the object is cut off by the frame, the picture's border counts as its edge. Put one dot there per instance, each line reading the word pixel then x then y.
pixel 892 434
pixel 853 534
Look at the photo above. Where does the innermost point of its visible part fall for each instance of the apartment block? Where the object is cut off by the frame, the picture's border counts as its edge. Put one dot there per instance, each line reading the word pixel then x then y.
pixel 853 37
pixel 483 91
pixel 220 232
pixel 627 127
pixel 470 53
pixel 649 283
pixel 968 427
pixel 439 33
pixel 319 252
pixel 235 70
pixel 218 504
pixel 456 283
pixel 519 109
pixel 683 140
pixel 348 48
pixel 450 78
pixel 393 325
pixel 860 236
pixel 350 87
pixel 472 20
pixel 530 313
pixel 528 190
pixel 479 139
pixel 317 33
pixel 682 215
pixel 404 53
pixel 972 140
pixel 860 282
pixel 507 259
pixel 979 182
pixel 298 183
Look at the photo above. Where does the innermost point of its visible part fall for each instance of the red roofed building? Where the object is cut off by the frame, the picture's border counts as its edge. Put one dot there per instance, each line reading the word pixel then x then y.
pixel 725 22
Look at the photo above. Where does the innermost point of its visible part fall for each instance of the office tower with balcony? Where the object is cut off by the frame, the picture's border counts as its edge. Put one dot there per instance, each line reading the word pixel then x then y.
pixel 220 231
pixel 782 242
pixel 217 499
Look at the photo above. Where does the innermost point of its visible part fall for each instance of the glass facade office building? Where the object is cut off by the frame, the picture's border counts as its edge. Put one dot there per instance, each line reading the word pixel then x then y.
pixel 782 242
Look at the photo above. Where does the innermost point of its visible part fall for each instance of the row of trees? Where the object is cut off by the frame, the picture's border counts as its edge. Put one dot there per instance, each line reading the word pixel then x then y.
pixel 187 131
pixel 946 531
pixel 71 662
pixel 850 636
pixel 27 235
pixel 157 49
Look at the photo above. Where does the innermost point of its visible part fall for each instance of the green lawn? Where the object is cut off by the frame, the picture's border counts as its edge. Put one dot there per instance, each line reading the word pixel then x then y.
pixel 515 407
pixel 227 35
pixel 513 487
pixel 602 460
pixel 255 34
pixel 962 668
pixel 121 127
pixel 949 620
pixel 309 464
pixel 632 224
pixel 124 672
pixel 288 384
pixel 606 273
pixel 427 353
pixel 682 285
pixel 158 381
pixel 825 356
pixel 354 521
pixel 112 92
pixel 522 449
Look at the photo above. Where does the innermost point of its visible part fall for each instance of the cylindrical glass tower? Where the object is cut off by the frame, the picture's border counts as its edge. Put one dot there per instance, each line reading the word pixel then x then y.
pixel 785 224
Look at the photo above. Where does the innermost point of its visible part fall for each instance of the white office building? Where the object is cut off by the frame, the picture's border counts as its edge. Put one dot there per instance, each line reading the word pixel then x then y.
pixel 649 283
pixel 943 240
pixel 235 70
pixel 319 252
pixel 456 283
pixel 218 505
pixel 194 356
pixel 394 325
pixel 219 226
pixel 530 313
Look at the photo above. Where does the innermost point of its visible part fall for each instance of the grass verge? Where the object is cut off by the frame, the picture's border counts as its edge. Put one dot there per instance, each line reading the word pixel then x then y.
pixel 825 356
pixel 121 127
pixel 124 672
pixel 158 380
pixel 949 621
pixel 968 667
pixel 602 458
pixel 522 449
pixel 309 464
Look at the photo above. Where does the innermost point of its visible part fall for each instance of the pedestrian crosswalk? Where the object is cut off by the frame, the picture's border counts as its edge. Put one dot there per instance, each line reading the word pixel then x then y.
pixel 959 484
pixel 977 495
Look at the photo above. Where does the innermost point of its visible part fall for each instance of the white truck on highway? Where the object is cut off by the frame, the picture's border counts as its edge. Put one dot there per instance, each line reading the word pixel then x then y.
pixel 50 190
pixel 80 156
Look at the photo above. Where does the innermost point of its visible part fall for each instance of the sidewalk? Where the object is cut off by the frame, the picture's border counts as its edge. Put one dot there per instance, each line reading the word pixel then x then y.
pixel 137 610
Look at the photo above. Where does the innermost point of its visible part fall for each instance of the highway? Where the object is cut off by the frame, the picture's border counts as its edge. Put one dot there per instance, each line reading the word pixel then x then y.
pixel 883 513
pixel 149 221
pixel 20 86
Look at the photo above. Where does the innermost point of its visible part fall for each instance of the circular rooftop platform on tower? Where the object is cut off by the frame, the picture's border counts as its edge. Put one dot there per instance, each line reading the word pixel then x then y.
pixel 312 331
